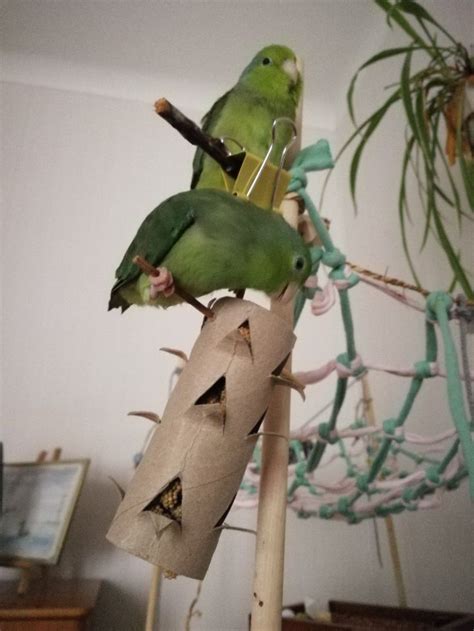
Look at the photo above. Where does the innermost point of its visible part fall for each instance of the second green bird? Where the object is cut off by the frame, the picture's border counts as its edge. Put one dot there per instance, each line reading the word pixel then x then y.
pixel 208 240
pixel 269 87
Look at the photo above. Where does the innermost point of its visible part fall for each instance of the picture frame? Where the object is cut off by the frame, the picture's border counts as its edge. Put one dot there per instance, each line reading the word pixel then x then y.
pixel 39 499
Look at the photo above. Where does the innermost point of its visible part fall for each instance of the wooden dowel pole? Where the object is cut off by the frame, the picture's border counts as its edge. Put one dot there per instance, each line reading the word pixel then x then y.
pixel 396 563
pixel 153 595
pixel 389 525
pixel 271 521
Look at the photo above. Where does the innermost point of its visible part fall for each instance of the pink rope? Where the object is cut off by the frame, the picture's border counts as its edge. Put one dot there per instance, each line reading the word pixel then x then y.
pixel 416 439
pixel 318 374
pixel 310 377
pixel 304 500
pixel 305 433
pixel 401 484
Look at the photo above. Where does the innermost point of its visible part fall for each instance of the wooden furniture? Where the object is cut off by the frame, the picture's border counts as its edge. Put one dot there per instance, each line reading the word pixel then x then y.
pixel 358 615
pixel 347 616
pixel 48 605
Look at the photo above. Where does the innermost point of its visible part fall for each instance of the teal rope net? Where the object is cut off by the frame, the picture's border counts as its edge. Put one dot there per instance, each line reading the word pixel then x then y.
pixel 387 469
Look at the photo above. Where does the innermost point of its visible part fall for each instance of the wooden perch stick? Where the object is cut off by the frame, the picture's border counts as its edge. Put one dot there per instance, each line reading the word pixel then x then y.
pixel 272 501
pixel 214 147
pixel 153 595
pixel 145 266
pixel 389 525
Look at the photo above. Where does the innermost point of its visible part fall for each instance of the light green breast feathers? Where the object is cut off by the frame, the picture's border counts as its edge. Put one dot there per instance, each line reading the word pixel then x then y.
pixel 210 240
pixel 269 87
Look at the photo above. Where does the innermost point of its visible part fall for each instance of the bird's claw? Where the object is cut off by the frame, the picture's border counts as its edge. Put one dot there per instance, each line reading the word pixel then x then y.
pixel 161 283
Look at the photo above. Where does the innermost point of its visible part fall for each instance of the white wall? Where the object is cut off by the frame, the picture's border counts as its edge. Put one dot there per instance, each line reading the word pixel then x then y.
pixel 79 173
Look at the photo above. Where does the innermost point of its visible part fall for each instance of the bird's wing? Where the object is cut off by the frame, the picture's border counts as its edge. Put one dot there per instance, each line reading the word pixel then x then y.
pixel 160 231
pixel 208 123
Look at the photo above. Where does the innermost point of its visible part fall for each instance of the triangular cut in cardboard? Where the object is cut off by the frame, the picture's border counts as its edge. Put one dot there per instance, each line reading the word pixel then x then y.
pixel 281 365
pixel 244 330
pixel 169 501
pixel 226 512
pixel 215 394
pixel 255 429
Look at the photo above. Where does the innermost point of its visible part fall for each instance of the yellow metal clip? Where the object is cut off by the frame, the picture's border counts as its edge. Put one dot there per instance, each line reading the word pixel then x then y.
pixel 264 187
pixel 259 180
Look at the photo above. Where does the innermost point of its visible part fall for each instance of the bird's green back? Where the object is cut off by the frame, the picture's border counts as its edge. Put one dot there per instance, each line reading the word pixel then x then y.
pixel 234 244
pixel 158 233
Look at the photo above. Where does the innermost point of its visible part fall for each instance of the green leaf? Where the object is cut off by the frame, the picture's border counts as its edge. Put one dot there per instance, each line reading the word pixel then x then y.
pixel 422 125
pixel 430 207
pixel 386 6
pixel 409 6
pixel 439 191
pixel 451 255
pixel 345 146
pixel 417 126
pixel 456 200
pixel 372 124
pixel 401 212
pixel 466 167
pixel 467 172
pixel 384 54
pixel 395 96
pixel 454 260
pixel 362 126
pixel 436 82
pixel 415 9
pixel 350 98
pixel 389 52
pixel 402 203
pixel 405 92
pixel 452 284
pixel 403 206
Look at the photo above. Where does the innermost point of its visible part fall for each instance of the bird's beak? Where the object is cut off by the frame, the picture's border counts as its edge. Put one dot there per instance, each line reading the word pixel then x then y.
pixel 291 68
pixel 287 293
pixel 299 65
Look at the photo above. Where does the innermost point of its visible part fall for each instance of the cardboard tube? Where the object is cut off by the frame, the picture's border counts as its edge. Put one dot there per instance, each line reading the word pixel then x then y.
pixel 198 454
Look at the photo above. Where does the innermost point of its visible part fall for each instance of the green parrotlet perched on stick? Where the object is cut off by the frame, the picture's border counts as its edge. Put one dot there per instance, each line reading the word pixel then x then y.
pixel 270 87
pixel 208 240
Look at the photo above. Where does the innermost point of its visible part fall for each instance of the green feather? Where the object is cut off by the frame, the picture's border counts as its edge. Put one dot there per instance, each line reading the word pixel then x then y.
pixel 264 91
pixel 210 240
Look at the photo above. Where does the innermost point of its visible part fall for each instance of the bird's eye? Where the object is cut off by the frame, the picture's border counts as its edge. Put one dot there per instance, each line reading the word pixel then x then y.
pixel 266 61
pixel 299 263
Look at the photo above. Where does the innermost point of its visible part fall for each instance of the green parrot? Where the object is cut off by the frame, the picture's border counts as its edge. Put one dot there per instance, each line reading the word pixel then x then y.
pixel 270 87
pixel 208 240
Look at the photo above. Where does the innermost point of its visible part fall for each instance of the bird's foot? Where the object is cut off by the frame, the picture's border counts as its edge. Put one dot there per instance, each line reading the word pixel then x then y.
pixel 161 283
